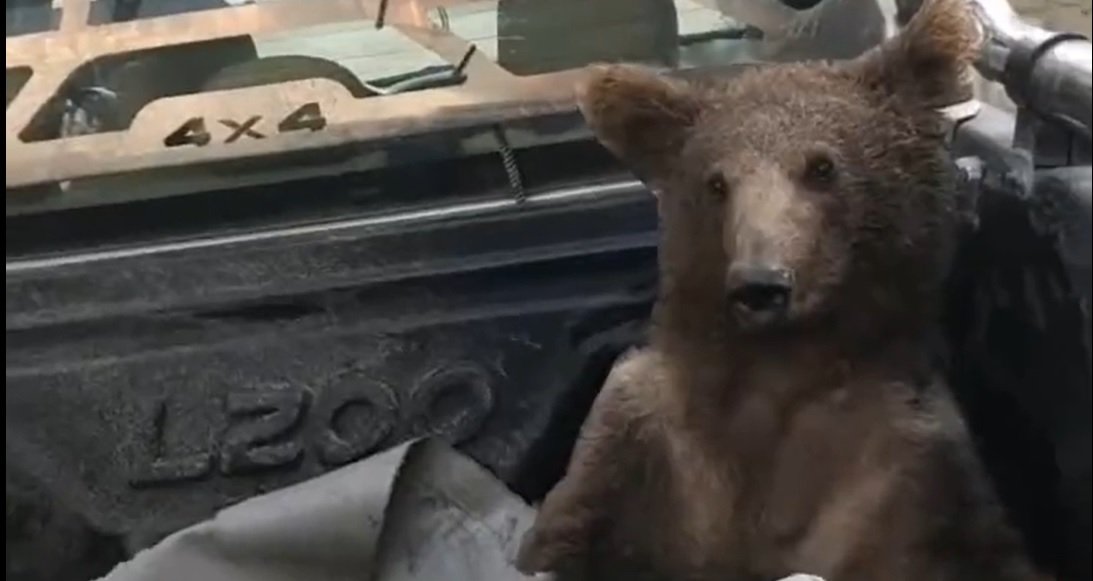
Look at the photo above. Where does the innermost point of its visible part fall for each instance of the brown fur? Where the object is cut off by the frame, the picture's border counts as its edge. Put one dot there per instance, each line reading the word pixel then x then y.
pixel 822 443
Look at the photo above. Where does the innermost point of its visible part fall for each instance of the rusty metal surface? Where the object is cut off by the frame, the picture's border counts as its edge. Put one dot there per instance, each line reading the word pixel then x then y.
pixel 349 119
pixel 54 56
pixel 488 89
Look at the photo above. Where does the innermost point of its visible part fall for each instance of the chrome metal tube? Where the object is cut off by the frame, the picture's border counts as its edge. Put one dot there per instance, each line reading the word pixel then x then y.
pixel 1062 84
pixel 1057 84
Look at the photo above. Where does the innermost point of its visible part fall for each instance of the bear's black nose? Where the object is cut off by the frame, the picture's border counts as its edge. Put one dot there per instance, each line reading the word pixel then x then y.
pixel 757 290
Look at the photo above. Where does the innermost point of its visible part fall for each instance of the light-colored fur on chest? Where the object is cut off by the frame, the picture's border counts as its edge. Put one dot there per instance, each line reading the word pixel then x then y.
pixel 764 481
pixel 791 457
pixel 871 477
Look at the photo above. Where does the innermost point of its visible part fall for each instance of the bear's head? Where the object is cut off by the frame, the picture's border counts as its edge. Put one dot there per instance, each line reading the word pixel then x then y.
pixel 795 194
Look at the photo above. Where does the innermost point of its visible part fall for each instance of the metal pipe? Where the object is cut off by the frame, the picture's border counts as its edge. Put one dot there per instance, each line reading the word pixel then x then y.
pixel 1061 84
pixel 1053 80
pixel 1005 27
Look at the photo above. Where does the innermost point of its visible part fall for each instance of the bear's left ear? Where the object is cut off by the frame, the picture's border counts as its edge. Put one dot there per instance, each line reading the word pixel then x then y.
pixel 929 62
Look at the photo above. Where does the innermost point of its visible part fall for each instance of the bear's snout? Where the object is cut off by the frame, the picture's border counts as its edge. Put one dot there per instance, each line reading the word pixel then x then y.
pixel 759 295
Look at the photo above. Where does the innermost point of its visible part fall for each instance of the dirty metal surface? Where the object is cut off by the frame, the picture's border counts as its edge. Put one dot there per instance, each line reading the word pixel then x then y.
pixel 152 389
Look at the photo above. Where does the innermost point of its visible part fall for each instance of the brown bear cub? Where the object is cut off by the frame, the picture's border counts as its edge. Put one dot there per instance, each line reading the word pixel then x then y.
pixel 785 418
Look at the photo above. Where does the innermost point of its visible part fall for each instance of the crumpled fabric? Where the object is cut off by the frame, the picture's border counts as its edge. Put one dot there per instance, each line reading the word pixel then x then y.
pixel 418 512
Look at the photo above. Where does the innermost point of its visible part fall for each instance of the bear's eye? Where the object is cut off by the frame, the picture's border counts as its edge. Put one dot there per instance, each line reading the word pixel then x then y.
pixel 717 187
pixel 820 170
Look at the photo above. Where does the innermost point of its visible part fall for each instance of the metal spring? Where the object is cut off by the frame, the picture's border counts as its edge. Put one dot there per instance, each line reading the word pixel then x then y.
pixel 512 170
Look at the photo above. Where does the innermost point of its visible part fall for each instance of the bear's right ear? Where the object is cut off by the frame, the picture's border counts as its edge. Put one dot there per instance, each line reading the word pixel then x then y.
pixel 639 115
pixel 929 61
